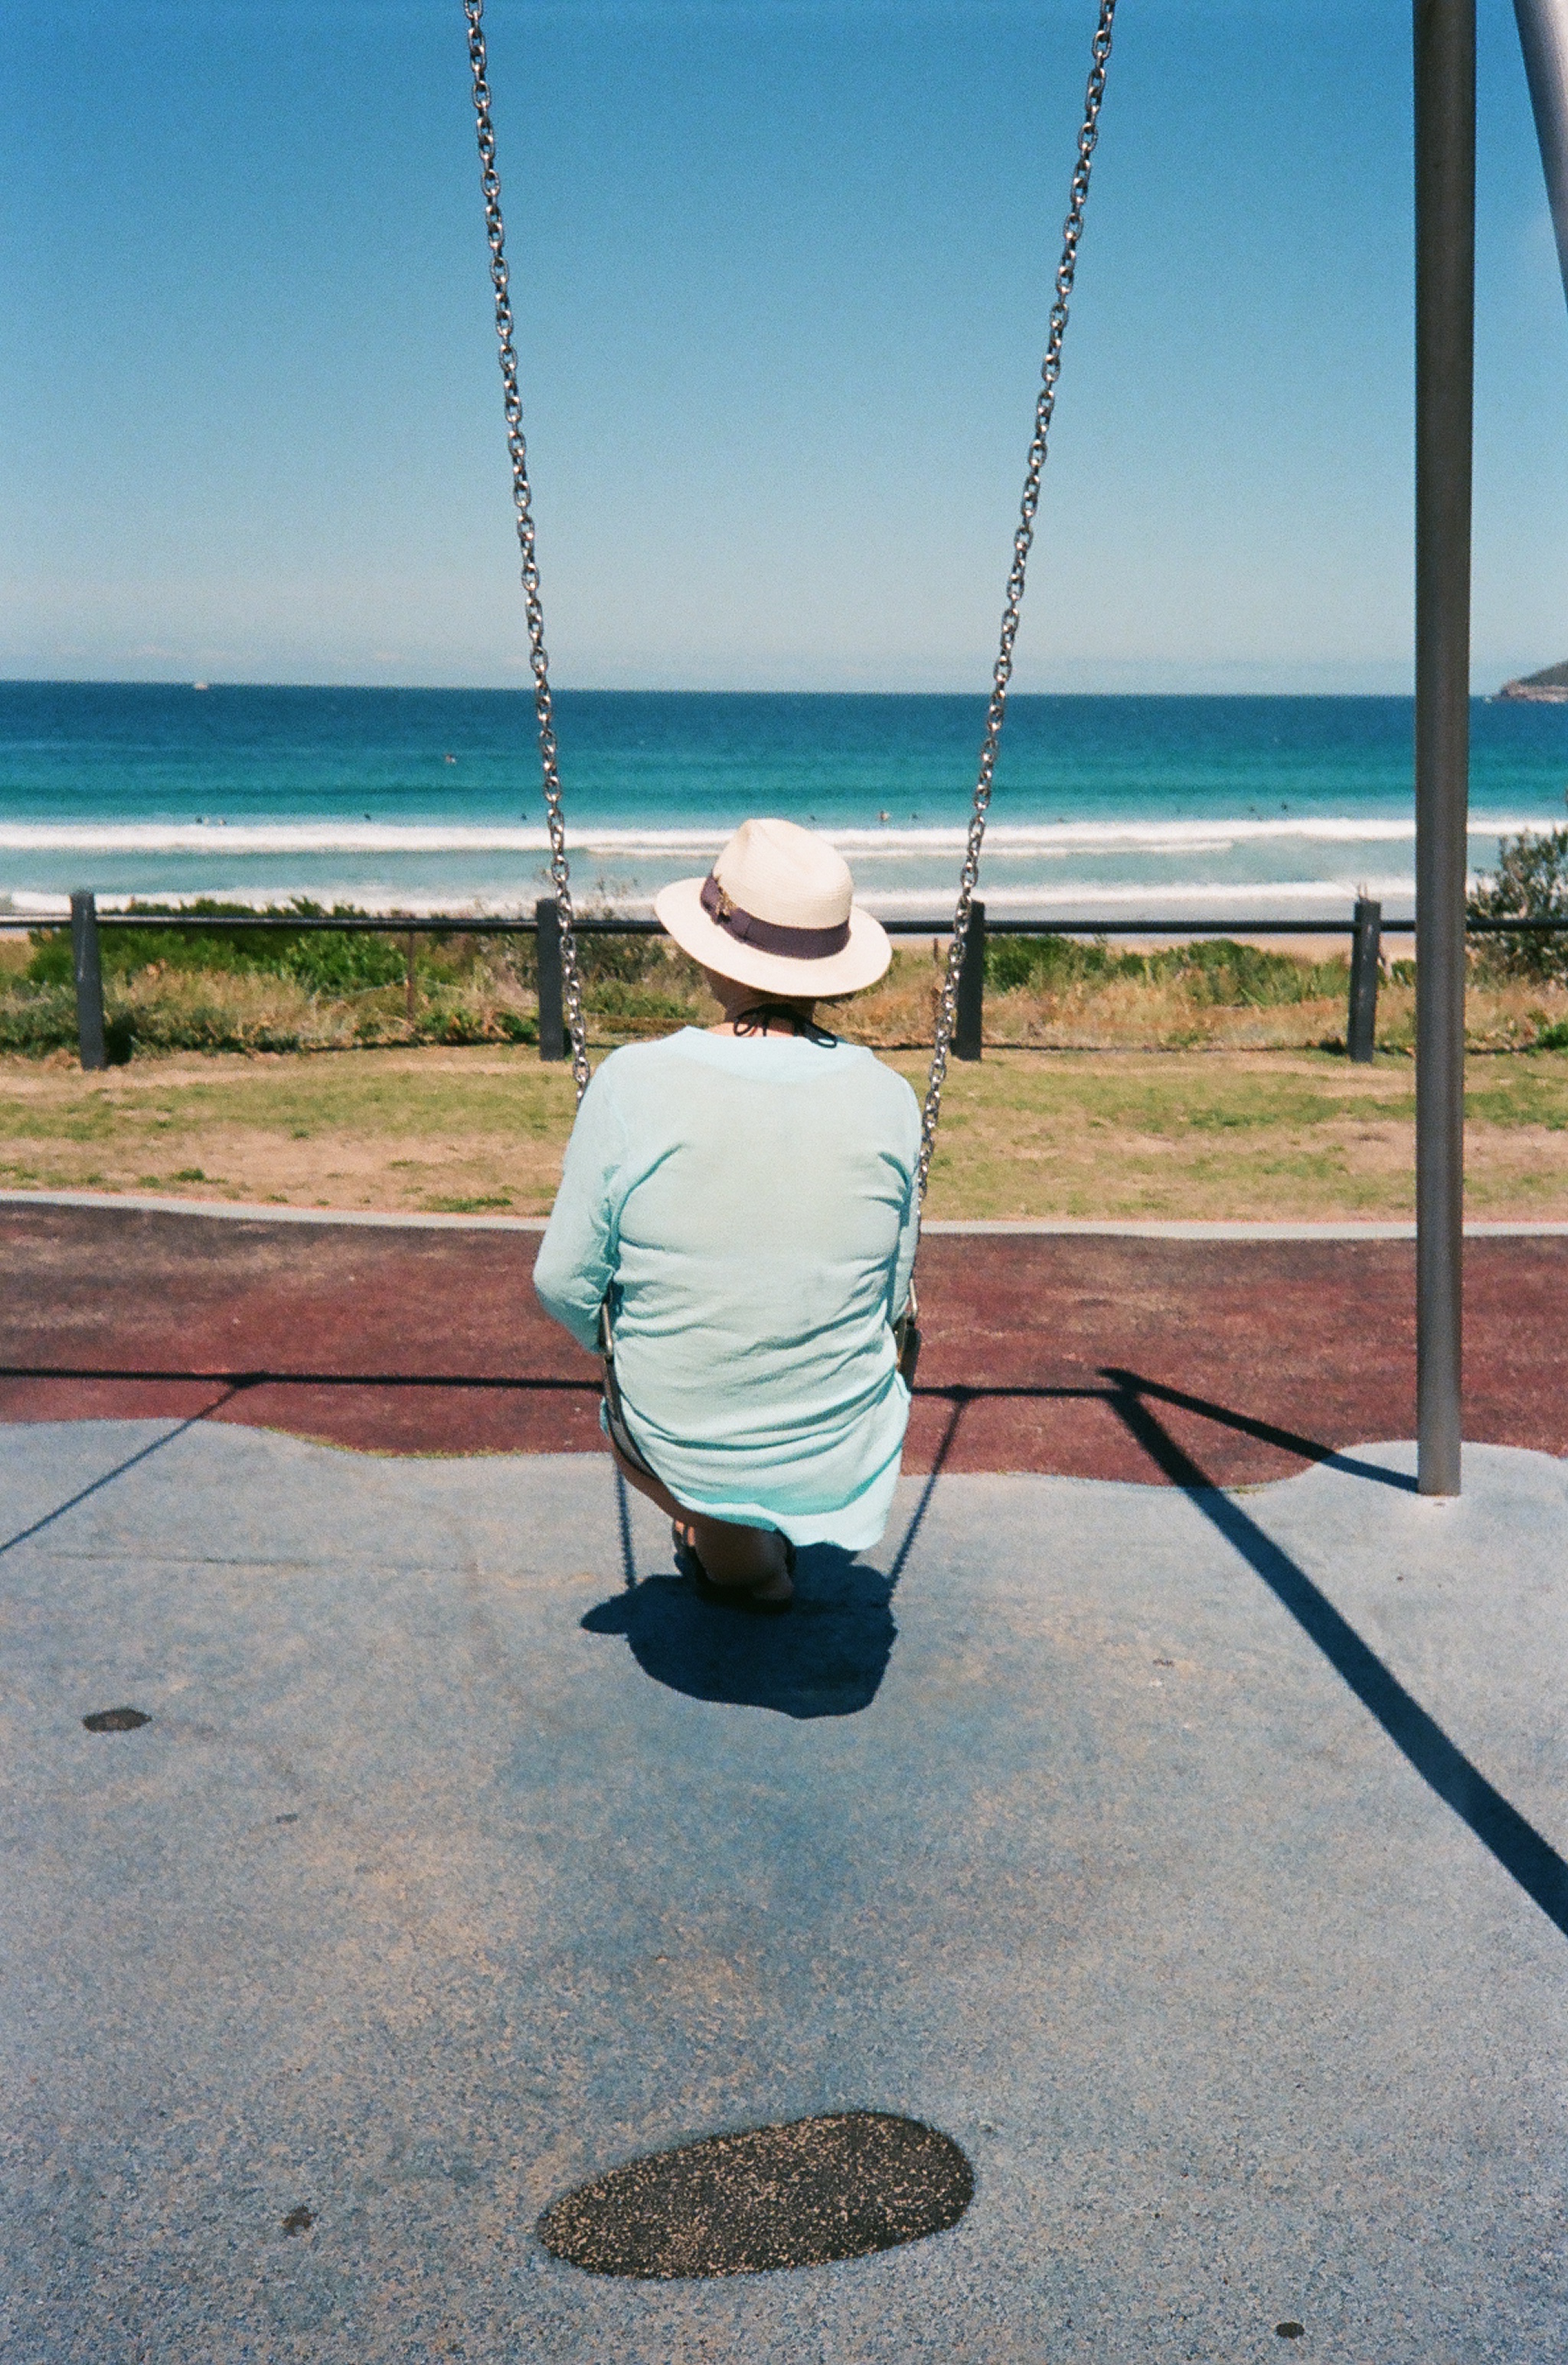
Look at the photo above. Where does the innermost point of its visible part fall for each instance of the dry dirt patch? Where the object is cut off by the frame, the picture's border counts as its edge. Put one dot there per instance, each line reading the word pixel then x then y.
pixel 1292 1136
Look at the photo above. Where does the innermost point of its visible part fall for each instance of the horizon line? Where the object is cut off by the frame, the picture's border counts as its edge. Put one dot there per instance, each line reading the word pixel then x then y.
pixel 979 696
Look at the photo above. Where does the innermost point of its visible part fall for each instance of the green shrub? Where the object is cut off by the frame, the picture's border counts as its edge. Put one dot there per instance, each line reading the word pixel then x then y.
pixel 1530 883
pixel 1212 970
pixel 37 1022
pixel 339 965
pixel 1016 963
pixel 1050 964
pixel 322 963
pixel 1234 976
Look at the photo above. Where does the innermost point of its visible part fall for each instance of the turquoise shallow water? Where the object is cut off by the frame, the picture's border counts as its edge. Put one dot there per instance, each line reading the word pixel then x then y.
pixel 416 799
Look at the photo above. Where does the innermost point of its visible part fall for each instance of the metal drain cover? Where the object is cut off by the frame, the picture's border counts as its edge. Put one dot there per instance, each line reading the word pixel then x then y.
pixel 794 2195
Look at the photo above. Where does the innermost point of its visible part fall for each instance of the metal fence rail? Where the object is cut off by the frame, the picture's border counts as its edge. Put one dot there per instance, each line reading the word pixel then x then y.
pixel 1366 928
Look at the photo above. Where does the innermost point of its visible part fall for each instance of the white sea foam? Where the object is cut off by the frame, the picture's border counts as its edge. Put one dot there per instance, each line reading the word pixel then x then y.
pixel 1268 899
pixel 1040 840
pixel 1081 903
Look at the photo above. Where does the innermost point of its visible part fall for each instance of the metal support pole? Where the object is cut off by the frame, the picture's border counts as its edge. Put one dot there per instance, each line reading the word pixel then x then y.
pixel 87 970
pixel 968 1026
pixel 1366 967
pixel 553 1042
pixel 1543 33
pixel 1445 339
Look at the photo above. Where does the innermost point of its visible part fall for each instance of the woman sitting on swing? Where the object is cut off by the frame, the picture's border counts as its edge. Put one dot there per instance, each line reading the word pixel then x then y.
pixel 736 1226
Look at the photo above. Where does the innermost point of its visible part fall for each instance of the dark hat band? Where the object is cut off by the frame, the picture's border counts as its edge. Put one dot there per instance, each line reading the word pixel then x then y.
pixel 770 936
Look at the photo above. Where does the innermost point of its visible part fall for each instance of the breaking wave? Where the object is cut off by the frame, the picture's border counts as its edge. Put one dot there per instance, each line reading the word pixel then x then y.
pixel 1040 841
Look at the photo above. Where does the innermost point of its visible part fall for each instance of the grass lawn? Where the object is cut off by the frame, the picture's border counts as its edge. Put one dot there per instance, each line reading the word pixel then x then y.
pixel 1289 1134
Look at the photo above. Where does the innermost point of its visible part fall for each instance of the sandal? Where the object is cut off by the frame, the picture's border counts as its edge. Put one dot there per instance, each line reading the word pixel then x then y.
pixel 731 1597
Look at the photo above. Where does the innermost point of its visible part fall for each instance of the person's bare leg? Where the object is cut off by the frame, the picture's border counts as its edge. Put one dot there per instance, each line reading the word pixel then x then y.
pixel 752 1559
pixel 748 1559
pixel 646 1483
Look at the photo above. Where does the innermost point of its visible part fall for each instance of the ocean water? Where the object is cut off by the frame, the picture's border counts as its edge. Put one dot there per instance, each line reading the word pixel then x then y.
pixel 428 799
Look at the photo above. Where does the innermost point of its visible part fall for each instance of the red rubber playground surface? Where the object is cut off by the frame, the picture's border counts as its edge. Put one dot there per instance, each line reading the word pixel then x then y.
pixel 1148 1360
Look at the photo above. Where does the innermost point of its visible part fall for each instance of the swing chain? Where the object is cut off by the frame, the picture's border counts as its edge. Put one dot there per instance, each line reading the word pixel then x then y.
pixel 1023 539
pixel 523 503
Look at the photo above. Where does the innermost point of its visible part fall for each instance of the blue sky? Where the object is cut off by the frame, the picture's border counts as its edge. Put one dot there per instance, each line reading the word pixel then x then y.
pixel 782 270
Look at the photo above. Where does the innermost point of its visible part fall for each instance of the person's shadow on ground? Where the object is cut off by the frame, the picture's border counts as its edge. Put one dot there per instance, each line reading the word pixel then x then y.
pixel 825 1657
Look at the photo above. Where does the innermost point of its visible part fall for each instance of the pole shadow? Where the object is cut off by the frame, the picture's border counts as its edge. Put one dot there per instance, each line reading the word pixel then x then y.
pixel 97 1485
pixel 1169 1460
pixel 234 1380
pixel 1519 1847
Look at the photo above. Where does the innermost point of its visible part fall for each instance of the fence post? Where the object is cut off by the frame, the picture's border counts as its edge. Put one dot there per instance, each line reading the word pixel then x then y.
pixel 547 961
pixel 970 1026
pixel 87 969
pixel 1366 967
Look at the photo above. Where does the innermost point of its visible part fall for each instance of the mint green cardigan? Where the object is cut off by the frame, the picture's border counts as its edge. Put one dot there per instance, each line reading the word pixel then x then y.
pixel 750 1205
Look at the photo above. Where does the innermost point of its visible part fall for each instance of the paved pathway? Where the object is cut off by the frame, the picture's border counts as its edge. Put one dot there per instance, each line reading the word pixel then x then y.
pixel 1190 1858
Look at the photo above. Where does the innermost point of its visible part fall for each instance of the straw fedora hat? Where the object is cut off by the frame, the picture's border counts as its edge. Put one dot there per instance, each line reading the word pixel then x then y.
pixel 776 910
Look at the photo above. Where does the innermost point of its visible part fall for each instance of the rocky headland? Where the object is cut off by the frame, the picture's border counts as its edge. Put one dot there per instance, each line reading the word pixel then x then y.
pixel 1547 688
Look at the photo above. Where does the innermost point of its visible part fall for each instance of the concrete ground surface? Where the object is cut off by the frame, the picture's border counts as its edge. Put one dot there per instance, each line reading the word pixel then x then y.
pixel 1191 1859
